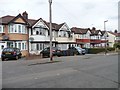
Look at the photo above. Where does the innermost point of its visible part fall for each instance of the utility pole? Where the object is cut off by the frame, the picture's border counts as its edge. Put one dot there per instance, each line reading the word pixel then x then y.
pixel 50 18
pixel 105 37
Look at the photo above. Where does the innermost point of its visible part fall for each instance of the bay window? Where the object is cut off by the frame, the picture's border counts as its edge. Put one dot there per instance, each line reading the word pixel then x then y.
pixel 17 28
pixel 22 45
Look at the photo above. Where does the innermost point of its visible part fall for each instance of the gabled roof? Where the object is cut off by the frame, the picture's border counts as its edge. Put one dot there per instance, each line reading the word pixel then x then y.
pixel 118 34
pixel 55 26
pixel 94 32
pixel 79 30
pixel 103 32
pixel 6 19
pixel 115 34
pixel 32 21
pixel 9 19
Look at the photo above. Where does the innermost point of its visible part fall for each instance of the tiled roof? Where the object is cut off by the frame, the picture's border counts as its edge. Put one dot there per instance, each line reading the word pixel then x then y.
pixel 79 30
pixel 113 33
pixel 55 26
pixel 118 35
pixel 103 32
pixel 6 19
pixel 31 21
pixel 94 32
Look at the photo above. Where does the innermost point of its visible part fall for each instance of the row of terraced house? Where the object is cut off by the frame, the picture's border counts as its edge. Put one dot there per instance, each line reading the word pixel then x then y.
pixel 32 36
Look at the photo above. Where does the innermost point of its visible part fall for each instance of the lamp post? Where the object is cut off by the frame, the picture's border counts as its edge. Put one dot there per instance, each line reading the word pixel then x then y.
pixel 105 36
pixel 50 18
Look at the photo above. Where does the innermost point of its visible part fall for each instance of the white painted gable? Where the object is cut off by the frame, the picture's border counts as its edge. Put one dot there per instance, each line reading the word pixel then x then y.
pixel 100 33
pixel 88 32
pixel 65 27
pixel 40 23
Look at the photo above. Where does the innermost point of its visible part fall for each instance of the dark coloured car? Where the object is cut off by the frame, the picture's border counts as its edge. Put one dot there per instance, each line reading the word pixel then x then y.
pixel 76 51
pixel 56 51
pixel 11 53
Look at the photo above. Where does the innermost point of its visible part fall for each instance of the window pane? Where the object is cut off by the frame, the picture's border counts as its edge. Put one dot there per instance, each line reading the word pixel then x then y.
pixel 40 46
pixel 23 46
pixel 11 28
pixel 16 45
pixel 23 29
pixel 19 46
pixel 19 28
pixel 15 28
pixel 10 44
pixel 37 46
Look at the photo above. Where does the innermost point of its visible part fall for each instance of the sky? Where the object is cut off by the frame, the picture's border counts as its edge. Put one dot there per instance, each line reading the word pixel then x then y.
pixel 76 13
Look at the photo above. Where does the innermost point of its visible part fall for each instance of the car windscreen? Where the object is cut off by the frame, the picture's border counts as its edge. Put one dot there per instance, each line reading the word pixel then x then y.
pixel 8 50
pixel 78 48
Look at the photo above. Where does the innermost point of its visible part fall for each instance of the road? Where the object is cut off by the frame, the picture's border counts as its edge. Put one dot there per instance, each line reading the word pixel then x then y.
pixel 89 71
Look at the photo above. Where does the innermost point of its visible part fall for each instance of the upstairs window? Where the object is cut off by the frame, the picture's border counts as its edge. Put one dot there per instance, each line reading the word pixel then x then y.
pixel 37 32
pixel 17 28
pixel 1 29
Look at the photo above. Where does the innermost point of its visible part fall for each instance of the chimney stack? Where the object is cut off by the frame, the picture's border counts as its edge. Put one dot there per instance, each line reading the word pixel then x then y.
pixel 25 15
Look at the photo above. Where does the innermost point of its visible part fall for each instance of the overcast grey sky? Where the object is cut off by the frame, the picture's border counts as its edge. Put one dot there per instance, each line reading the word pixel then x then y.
pixel 76 13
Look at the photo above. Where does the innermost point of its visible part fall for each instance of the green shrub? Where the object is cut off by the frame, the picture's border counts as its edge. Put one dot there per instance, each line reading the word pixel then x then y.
pixel 99 50
pixel 117 45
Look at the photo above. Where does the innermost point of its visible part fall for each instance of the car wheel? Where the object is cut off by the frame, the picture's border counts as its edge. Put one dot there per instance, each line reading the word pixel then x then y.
pixel 83 53
pixel 16 57
pixel 58 55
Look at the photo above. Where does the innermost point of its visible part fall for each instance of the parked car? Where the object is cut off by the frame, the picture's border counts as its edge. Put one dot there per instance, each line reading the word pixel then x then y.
pixel 56 51
pixel 76 51
pixel 11 53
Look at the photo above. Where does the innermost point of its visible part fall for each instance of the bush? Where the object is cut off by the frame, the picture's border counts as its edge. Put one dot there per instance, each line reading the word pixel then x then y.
pixel 99 50
pixel 117 45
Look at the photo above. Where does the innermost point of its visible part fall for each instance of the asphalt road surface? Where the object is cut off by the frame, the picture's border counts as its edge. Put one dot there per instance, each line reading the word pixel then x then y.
pixel 89 71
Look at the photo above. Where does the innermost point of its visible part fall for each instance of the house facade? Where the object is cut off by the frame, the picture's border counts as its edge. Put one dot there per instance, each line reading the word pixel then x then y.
pixel 117 39
pixel 112 37
pixel 90 38
pixel 95 38
pixel 82 36
pixel 39 36
pixel 14 33
pixel 64 36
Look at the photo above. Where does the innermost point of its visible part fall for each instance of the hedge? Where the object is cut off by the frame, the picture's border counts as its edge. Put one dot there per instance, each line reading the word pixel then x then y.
pixel 98 50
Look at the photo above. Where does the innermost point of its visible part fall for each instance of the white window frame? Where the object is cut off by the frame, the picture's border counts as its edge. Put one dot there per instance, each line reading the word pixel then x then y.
pixel 17 28
pixel 40 46
pixel 2 29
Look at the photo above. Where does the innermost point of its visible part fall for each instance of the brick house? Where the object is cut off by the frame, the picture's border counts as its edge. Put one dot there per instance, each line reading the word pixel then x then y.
pixel 14 32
